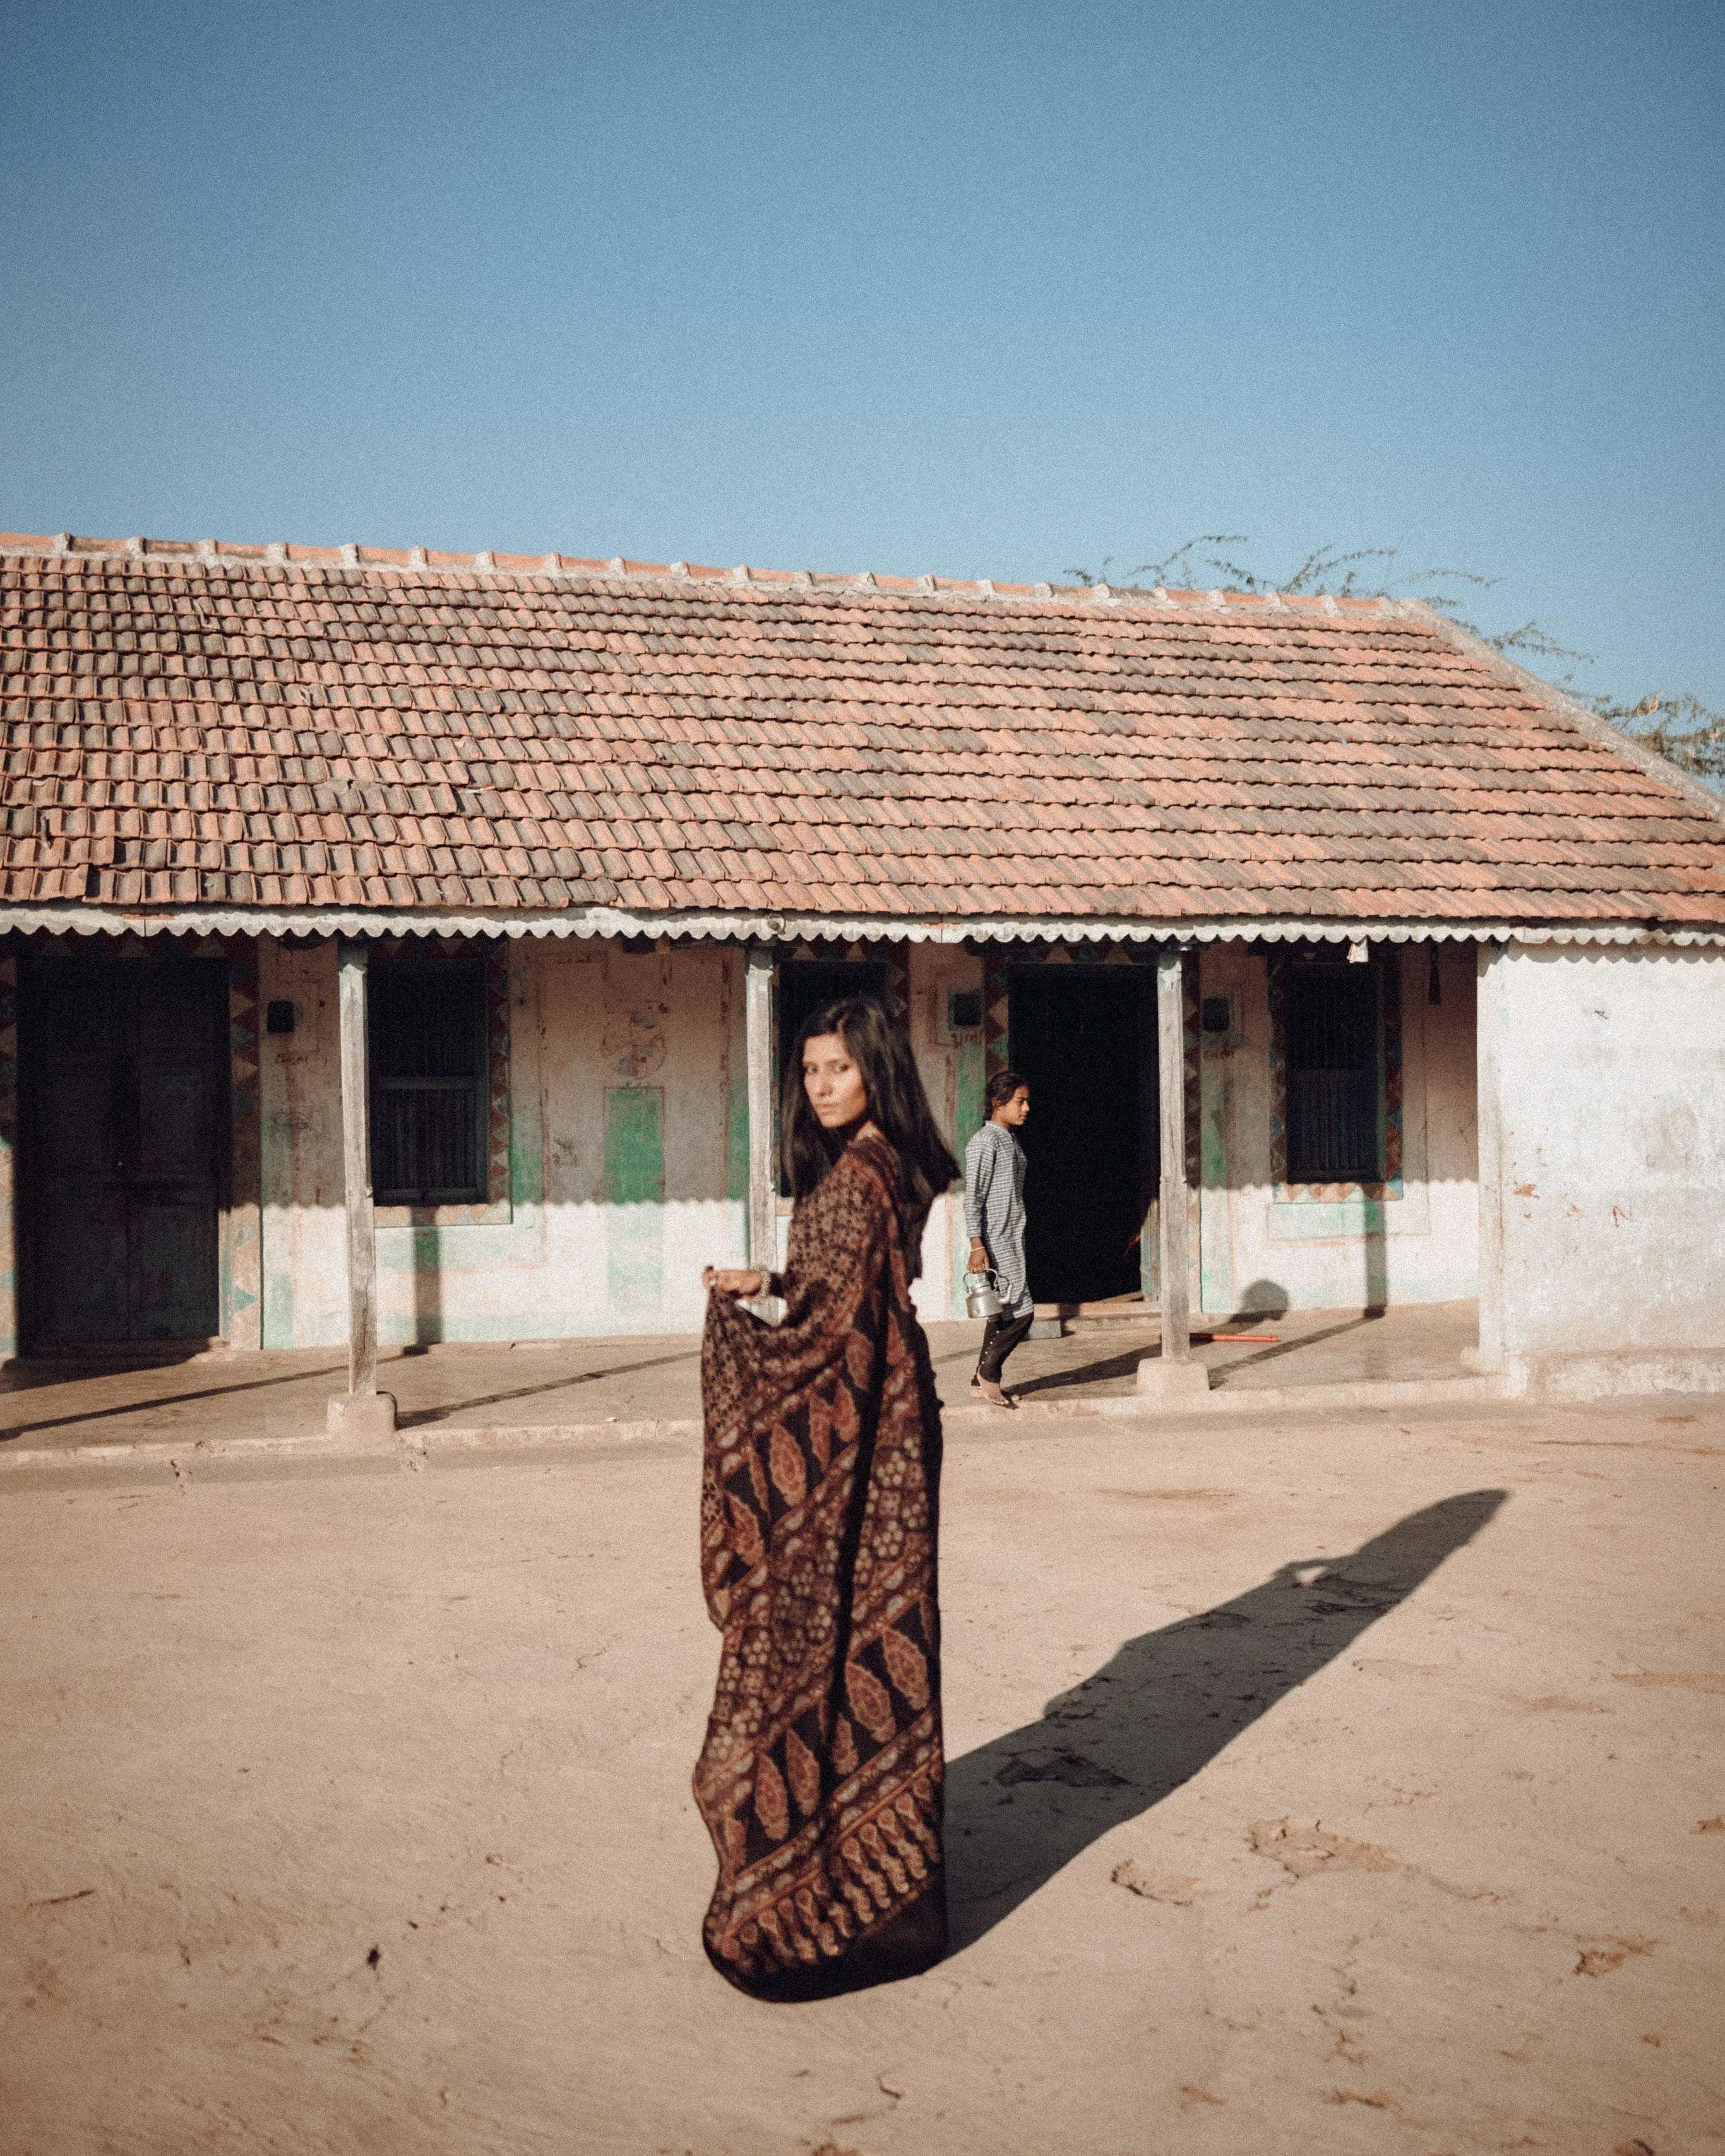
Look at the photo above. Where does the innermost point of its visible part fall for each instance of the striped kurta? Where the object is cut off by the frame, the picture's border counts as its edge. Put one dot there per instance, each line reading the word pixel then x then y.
pixel 994 1167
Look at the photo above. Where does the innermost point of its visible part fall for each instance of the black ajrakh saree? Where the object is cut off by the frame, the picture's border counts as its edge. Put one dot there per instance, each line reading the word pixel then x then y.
pixel 821 1776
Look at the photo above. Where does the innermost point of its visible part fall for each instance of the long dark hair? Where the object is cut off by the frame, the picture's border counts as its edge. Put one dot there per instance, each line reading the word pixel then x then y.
pixel 896 1102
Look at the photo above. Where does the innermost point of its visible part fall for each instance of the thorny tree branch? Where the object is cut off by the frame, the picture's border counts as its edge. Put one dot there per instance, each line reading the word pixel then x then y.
pixel 1681 727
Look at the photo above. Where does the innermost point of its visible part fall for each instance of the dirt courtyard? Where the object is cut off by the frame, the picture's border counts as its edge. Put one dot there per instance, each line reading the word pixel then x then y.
pixel 1353 1786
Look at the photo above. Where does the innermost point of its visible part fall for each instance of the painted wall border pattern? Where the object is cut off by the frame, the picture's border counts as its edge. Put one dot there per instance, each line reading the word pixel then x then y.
pixel 999 959
pixel 895 956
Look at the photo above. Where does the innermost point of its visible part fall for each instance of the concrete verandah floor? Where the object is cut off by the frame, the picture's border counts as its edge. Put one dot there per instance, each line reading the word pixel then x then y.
pixel 62 1406
pixel 1346 1785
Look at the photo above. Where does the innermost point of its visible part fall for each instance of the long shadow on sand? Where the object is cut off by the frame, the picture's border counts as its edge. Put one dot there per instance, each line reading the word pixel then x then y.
pixel 1020 1808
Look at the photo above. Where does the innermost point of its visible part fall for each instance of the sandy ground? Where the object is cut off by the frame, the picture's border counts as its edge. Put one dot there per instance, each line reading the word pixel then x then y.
pixel 1345 1786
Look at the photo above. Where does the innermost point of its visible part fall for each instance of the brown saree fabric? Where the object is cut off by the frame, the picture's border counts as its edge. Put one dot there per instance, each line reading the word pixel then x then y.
pixel 820 1780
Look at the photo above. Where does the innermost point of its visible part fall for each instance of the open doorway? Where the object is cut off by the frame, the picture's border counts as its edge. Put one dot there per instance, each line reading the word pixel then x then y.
pixel 1084 1038
pixel 123 1091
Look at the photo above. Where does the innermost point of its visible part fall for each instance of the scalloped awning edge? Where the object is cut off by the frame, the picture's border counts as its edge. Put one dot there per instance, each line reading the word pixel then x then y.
pixel 754 927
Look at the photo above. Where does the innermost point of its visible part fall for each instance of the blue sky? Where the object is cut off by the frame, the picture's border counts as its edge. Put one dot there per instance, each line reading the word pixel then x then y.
pixel 987 290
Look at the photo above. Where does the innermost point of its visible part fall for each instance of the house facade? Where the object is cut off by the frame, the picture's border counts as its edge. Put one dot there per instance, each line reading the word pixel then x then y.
pixel 518 876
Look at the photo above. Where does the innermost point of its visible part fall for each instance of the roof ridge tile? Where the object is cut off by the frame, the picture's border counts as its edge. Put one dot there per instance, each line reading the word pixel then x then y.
pixel 294 553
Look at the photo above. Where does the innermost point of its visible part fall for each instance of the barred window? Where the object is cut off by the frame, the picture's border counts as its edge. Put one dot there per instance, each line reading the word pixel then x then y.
pixel 1334 1074
pixel 429 1081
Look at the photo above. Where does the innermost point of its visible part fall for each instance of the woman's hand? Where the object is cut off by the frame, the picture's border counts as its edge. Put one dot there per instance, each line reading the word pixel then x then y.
pixel 978 1255
pixel 731 1280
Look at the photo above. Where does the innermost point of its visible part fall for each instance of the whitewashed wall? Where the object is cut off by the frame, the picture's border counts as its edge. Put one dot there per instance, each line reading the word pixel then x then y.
pixel 590 1020
pixel 953 1075
pixel 300 1092
pixel 1257 1246
pixel 1602 1083
pixel 587 1020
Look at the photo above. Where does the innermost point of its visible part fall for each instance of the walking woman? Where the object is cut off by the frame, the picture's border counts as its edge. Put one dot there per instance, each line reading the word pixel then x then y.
pixel 820 1780
pixel 994 1218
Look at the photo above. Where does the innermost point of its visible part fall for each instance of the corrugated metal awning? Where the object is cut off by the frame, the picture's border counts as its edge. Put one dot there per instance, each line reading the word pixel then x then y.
pixel 741 927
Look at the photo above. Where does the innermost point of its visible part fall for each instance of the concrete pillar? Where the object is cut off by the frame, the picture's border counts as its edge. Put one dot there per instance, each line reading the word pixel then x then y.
pixel 242 1223
pixel 365 1413
pixel 1173 1376
pixel 763 1163
pixel 1492 1152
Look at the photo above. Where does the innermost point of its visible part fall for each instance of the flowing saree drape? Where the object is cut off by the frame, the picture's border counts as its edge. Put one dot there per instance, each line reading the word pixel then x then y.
pixel 820 1780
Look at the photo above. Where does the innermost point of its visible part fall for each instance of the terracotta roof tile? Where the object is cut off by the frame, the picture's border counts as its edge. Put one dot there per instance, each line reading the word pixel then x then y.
pixel 312 726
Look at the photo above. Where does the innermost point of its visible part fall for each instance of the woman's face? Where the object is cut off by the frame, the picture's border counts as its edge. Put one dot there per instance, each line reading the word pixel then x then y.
pixel 1014 1112
pixel 832 1082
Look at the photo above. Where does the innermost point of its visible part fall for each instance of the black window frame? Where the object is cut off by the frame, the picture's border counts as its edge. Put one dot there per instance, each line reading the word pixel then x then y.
pixel 1333 1110
pixel 460 988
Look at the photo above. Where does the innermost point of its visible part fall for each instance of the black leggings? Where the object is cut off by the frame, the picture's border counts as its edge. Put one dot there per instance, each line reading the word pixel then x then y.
pixel 1000 1336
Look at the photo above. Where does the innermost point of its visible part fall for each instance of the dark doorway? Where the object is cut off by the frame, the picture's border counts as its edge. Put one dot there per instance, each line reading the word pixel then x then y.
pixel 1084 1038
pixel 123 1089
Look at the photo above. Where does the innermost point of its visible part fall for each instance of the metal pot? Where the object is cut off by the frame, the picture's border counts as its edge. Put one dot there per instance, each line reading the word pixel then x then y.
pixel 985 1299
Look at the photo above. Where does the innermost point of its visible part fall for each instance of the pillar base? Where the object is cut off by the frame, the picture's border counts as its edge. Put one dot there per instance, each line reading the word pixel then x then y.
pixel 367 1417
pixel 1172 1382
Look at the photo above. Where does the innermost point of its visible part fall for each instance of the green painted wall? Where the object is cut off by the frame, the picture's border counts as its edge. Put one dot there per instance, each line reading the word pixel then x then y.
pixel 736 1127
pixel 970 1075
pixel 634 1193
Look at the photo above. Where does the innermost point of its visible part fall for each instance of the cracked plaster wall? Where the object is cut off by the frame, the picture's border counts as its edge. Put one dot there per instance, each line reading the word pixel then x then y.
pixel 1610 1102
pixel 627 1157
pixel 1345 1252
pixel 628 1152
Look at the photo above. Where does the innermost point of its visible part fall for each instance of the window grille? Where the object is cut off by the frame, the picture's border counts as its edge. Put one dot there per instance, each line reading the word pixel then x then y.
pixel 429 1081
pixel 1334 1065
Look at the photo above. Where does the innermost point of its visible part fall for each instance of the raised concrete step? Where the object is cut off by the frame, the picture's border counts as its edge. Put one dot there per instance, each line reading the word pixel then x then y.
pixel 418 1444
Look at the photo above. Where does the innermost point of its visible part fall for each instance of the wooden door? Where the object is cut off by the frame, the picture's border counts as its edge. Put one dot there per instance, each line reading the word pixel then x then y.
pixel 123 1091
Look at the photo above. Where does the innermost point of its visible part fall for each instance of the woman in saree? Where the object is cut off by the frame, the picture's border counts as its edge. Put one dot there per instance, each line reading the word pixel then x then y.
pixel 820 1780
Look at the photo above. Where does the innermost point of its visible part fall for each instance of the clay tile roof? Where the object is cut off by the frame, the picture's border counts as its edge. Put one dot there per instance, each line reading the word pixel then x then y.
pixel 193 722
